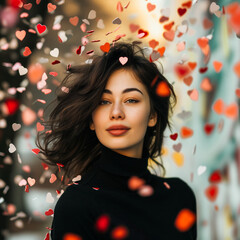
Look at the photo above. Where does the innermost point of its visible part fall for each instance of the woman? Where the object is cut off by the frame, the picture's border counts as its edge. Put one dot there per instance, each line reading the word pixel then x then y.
pixel 108 123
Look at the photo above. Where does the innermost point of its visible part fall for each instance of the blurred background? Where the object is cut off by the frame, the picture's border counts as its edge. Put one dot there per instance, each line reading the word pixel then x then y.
pixel 197 43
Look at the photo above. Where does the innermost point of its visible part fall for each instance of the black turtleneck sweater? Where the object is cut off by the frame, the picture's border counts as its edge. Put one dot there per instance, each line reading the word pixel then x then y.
pixel 102 205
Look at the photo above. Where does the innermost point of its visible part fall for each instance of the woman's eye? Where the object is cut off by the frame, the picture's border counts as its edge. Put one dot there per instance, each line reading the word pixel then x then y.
pixel 135 101
pixel 103 102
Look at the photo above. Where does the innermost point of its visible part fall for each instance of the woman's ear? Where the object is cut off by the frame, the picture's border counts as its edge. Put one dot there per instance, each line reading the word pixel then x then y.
pixel 152 120
pixel 91 126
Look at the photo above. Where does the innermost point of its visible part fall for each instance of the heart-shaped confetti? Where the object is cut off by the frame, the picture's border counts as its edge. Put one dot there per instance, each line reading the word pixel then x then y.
pixel 22 70
pixel 181 11
pixel 188 80
pixel 214 7
pixel 74 20
pixel 135 183
pixel 117 21
pixel 211 192
pixel 201 170
pixel 31 181
pixel 187 4
pixel 41 28
pixel 36 150
pixel 177 147
pixel 20 34
pixel 26 168
pixel 53 178
pixel 40 127
pixel 168 26
pixel 178 158
pixel 51 7
pixel 12 148
pixel 102 223
pixel 193 94
pixel 123 60
pixel 49 198
pixel 231 111
pixel 92 14
pixel 105 47
pixel 100 24
pixel 163 19
pixel 208 128
pixel 27 6
pixel 47 237
pixel 119 7
pixel 215 177
pixel 145 191
pixel 161 51
pixel 217 66
pixel 237 92
pixel 184 220
pixel 236 69
pixel 219 106
pixel 16 126
pixel 22 182
pixel 54 52
pixel 27 52
pixel 169 35
pixel 207 23
pixel 71 236
pixel 155 56
pixel 133 27
pixel 174 136
pixel 162 89
pixel 181 46
pixel 151 7
pixel 49 212
pixel 186 132
pixel 142 33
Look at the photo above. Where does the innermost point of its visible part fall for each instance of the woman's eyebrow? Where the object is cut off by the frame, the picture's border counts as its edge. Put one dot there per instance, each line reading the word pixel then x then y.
pixel 124 91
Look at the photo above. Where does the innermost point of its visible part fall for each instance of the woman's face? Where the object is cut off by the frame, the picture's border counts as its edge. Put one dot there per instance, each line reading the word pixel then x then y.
pixel 120 106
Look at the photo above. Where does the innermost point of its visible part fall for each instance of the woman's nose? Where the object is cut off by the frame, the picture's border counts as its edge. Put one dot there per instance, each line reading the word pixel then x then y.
pixel 116 112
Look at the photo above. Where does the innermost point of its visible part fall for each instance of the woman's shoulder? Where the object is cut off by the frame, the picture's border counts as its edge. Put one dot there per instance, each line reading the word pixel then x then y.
pixel 176 185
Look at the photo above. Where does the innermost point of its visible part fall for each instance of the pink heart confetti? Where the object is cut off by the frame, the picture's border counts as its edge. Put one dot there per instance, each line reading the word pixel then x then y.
pixel 123 60
pixel 31 181
pixel 20 34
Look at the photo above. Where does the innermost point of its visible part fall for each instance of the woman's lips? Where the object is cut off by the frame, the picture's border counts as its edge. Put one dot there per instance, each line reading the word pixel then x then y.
pixel 118 132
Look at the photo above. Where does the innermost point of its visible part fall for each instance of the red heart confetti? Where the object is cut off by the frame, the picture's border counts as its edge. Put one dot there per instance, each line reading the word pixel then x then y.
pixel 78 51
pixel 163 19
pixel 217 66
pixel 168 26
pixel 27 52
pixel 55 62
pixel 51 7
pixel 174 136
pixel 102 223
pixel 162 89
pixel 236 69
pixel 119 232
pixel 182 70
pixel 27 6
pixel 184 220
pixel 151 7
pixel 181 11
pixel 71 236
pixel 49 212
pixel 119 7
pixel 206 84
pixel 45 166
pixel 74 21
pixel 40 127
pixel 186 132
pixel 153 43
pixel 161 51
pixel 207 23
pixel 208 128
pixel 27 188
pixel 47 237
pixel 41 28
pixel 187 4
pixel 215 177
pixel 188 80
pixel 192 65
pixel 133 27
pixel 143 32
pixel 105 47
pixel 237 92
pixel 203 70
pixel 219 106
pixel 211 192
pixel 36 151
pixel 169 35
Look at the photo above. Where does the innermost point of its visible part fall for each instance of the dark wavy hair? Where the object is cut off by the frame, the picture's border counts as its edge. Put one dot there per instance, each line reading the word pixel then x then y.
pixel 68 141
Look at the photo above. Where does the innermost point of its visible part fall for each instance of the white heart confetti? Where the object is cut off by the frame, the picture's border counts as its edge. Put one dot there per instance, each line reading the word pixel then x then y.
pixel 49 198
pixel 92 14
pixel 16 126
pixel 201 170
pixel 11 148
pixel 22 70
pixel 54 52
